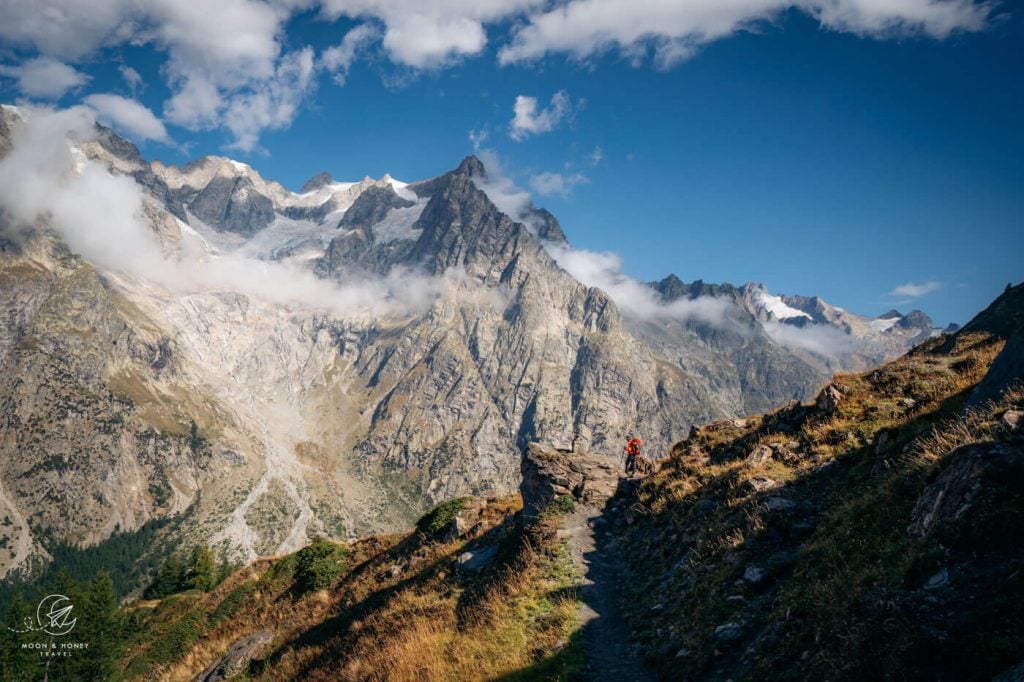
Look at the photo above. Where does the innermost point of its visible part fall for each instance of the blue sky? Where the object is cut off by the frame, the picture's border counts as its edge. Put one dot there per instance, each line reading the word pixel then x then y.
pixel 850 157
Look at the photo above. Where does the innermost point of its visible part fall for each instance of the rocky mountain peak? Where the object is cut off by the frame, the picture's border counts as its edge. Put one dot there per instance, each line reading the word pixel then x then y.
pixel 471 166
pixel 891 314
pixel 372 206
pixel 916 319
pixel 316 182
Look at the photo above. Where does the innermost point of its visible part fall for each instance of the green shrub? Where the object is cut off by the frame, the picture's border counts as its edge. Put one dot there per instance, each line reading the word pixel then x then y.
pixel 565 503
pixel 319 564
pixel 439 518
pixel 232 603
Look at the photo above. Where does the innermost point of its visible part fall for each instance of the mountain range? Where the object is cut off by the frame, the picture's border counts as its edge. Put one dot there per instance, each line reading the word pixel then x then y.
pixel 264 366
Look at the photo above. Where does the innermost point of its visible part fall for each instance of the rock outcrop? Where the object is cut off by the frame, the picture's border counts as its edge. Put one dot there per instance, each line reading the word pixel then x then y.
pixel 237 658
pixel 550 473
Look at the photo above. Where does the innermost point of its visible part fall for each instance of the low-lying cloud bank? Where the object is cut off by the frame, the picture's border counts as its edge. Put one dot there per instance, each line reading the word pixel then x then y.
pixel 825 342
pixel 636 299
pixel 598 269
pixel 99 215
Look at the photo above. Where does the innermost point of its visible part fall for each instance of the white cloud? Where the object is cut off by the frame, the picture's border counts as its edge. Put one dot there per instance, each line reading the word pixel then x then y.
pixel 132 77
pixel 912 290
pixel 548 184
pixel 478 137
pixel 338 59
pixel 826 342
pixel 674 30
pixel 128 116
pixel 68 29
pixel 224 55
pixel 636 299
pixel 272 103
pixel 599 269
pixel 503 192
pixel 99 215
pixel 529 120
pixel 430 33
pixel 44 77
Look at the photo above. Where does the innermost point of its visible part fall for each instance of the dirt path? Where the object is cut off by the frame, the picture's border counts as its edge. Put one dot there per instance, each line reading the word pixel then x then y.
pixel 610 653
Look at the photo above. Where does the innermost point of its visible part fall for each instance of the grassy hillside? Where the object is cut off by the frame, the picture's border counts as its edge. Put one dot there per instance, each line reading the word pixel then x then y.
pixel 877 534
pixel 396 608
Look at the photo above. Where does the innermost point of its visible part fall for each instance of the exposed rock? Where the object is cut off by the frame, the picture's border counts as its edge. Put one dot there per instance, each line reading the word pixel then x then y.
pixel 784 454
pixel 237 658
pixel 232 204
pixel 549 473
pixel 728 632
pixel 316 182
pixel 937 581
pixel 779 504
pixel 478 559
pixel 829 399
pixel 758 456
pixel 371 207
pixel 970 472
pixel 754 575
pixel 1012 419
pixel 907 403
pixel 761 483
pixel 466 520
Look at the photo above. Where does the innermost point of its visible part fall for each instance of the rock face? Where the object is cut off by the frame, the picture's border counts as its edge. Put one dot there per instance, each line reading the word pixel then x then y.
pixel 309 421
pixel 372 207
pixel 237 658
pixel 232 204
pixel 971 472
pixel 316 182
pixel 549 473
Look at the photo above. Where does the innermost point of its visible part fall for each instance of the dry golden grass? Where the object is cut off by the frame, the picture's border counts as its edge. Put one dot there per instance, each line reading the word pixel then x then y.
pixel 422 621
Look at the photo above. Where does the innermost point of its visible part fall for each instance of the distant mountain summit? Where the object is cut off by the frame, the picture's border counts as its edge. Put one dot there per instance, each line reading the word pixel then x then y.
pixel 334 361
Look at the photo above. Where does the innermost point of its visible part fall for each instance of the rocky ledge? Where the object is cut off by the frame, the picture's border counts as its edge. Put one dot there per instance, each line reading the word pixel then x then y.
pixel 550 473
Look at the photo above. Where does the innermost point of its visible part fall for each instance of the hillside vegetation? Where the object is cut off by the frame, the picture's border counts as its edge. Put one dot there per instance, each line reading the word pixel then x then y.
pixel 876 533
pixel 392 607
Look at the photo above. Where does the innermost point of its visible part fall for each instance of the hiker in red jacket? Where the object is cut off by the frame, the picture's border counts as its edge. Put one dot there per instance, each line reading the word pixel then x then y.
pixel 632 450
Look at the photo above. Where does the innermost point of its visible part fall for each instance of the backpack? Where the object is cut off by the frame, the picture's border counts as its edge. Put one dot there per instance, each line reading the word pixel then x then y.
pixel 633 447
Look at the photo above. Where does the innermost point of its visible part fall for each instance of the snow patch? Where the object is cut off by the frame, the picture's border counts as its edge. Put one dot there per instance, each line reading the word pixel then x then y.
pixel 777 307
pixel 883 324
pixel 398 224
pixel 400 189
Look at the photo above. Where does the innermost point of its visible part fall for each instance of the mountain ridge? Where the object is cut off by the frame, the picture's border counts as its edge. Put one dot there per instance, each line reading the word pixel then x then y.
pixel 440 336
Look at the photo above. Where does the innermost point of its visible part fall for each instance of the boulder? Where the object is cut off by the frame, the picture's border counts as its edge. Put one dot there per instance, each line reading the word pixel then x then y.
pixel 754 575
pixel 236 660
pixel 475 560
pixel 829 399
pixel 468 519
pixel 972 472
pixel 1012 420
pixel 937 581
pixel 728 632
pixel 779 504
pixel 761 483
pixel 549 473
pixel 758 456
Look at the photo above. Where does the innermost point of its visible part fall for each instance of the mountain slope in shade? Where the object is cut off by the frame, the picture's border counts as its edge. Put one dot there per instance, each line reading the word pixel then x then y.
pixel 334 361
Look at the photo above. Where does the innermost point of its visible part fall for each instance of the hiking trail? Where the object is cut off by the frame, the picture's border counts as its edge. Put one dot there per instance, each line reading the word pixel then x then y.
pixel 610 652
